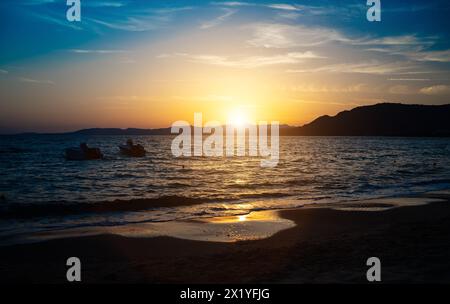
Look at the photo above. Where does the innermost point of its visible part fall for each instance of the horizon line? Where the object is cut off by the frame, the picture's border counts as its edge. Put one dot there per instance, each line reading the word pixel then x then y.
pixel 168 127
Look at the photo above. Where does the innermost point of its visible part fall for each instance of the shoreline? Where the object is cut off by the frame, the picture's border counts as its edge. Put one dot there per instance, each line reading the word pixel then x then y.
pixel 324 246
pixel 253 225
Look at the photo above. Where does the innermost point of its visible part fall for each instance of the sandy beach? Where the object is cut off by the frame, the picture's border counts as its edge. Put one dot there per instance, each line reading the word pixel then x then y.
pixel 324 246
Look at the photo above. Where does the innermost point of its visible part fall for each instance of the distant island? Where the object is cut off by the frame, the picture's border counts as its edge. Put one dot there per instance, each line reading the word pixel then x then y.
pixel 383 119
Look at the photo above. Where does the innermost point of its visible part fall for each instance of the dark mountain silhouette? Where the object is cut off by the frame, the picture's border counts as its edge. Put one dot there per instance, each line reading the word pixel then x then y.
pixel 384 119
pixel 117 131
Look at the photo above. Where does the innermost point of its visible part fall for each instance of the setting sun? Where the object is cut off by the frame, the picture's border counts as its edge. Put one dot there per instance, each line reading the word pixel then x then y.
pixel 238 117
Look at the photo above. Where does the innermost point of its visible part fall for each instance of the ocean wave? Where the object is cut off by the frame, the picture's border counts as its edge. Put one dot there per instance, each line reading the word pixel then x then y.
pixel 14 150
pixel 263 195
pixel 432 182
pixel 23 210
pixel 253 185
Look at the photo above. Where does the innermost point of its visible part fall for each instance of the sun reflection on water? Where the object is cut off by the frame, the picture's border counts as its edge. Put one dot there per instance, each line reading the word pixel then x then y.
pixel 259 216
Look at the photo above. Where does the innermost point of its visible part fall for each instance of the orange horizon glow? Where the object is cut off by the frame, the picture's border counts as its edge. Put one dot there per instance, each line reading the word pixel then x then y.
pixel 269 65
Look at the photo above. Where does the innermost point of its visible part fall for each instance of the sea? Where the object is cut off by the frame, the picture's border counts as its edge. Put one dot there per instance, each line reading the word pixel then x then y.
pixel 41 191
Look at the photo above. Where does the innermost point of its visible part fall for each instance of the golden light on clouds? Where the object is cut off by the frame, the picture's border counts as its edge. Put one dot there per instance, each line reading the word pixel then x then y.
pixel 267 65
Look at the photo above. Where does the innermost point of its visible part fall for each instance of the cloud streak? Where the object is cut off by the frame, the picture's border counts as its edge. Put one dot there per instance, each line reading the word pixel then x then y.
pixel 219 20
pixel 36 81
pixel 91 3
pixel 373 67
pixel 276 6
pixel 275 35
pixel 436 90
pixel 91 51
pixel 247 61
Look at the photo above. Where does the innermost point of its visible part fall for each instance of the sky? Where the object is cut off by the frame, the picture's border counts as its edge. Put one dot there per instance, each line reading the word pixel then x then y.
pixel 147 64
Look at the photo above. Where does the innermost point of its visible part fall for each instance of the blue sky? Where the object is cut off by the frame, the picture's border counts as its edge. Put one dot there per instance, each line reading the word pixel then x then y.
pixel 34 27
pixel 321 56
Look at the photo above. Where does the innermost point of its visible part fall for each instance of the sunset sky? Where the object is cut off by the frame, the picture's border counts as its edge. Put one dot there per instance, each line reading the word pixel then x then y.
pixel 146 64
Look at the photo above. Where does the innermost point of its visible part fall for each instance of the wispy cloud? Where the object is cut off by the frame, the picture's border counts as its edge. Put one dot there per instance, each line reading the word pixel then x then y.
pixel 401 55
pixel 169 10
pixel 232 3
pixel 56 20
pixel 3 71
pixel 437 56
pixel 416 52
pixel 373 67
pixel 219 20
pixel 37 2
pixel 112 3
pixel 124 98
pixel 277 6
pixel 36 81
pixel 410 46
pixel 409 79
pixel 274 35
pixel 92 51
pixel 289 15
pixel 326 102
pixel 116 15
pixel 247 61
pixel 138 19
pixel 344 11
pixel 131 24
pixel 436 90
pixel 280 35
pixel 402 40
pixel 315 88
pixel 120 56
pixel 91 3
pixel 286 7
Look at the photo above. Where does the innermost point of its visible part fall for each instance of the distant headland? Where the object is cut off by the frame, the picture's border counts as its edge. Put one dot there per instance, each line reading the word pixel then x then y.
pixel 383 119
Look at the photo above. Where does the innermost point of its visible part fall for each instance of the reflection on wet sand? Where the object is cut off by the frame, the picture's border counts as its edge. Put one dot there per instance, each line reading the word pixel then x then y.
pixel 241 227
pixel 252 226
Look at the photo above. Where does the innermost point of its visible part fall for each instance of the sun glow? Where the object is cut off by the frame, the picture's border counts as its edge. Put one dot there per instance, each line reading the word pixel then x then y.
pixel 238 117
pixel 242 218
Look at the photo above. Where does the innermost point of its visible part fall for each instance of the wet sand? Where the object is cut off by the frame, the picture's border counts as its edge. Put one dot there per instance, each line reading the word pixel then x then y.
pixel 325 246
pixel 252 226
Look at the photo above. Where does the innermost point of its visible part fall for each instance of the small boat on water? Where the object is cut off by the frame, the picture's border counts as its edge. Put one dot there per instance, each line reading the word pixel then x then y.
pixel 132 150
pixel 82 153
